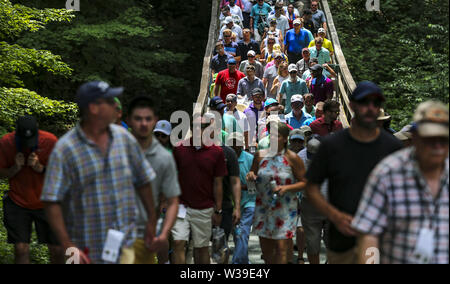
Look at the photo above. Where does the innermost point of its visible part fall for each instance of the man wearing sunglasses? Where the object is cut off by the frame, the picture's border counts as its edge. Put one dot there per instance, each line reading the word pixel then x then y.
pixel 413 184
pixel 346 159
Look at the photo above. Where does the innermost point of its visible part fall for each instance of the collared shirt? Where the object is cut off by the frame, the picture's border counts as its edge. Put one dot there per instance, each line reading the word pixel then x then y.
pixel 244 48
pixel 326 44
pixel 97 192
pixel 289 88
pixel 397 203
pixel 259 69
pixel 318 17
pixel 312 113
pixel 321 89
pixel 245 87
pixel 282 23
pixel 253 115
pixel 219 62
pixel 166 181
pixel 322 55
pixel 296 41
pixel 292 121
pixel 235 29
pixel 319 126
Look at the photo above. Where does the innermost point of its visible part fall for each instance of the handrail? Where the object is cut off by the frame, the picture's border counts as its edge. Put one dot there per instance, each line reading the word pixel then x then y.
pixel 206 80
pixel 345 82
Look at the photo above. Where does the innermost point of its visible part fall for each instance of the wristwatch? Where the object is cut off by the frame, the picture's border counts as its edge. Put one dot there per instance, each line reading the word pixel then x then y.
pixel 218 212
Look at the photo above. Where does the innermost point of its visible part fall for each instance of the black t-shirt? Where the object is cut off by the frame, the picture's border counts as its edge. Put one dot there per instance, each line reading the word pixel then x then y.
pixel 233 171
pixel 347 164
pixel 245 48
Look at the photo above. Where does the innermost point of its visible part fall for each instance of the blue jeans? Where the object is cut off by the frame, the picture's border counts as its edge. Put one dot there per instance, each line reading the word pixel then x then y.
pixel 240 255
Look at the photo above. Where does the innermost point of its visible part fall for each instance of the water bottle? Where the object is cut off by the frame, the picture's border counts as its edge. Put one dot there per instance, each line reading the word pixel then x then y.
pixel 159 225
pixel 251 187
pixel 273 186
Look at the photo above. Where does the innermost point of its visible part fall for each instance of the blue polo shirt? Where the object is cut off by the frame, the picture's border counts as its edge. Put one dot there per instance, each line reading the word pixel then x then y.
pixel 295 41
pixel 292 121
pixel 288 89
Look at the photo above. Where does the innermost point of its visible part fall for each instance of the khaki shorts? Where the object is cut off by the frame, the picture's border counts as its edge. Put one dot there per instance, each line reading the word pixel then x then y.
pixel 138 254
pixel 347 257
pixel 196 222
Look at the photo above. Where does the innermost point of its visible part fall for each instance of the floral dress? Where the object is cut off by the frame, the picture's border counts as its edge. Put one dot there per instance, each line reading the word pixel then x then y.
pixel 275 219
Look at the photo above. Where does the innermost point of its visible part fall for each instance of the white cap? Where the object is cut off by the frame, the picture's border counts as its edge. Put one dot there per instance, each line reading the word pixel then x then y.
pixel 296 98
pixel 292 67
pixel 321 30
pixel 163 126
pixel 251 53
pixel 273 118
pixel 228 20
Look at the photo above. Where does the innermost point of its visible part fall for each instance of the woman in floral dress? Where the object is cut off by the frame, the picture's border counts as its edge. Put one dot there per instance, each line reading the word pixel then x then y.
pixel 275 221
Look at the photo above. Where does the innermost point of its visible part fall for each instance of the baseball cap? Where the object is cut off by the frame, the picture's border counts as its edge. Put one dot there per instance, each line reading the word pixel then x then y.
pixel 163 126
pixel 91 91
pixel 297 21
pixel 305 49
pixel 231 97
pixel 306 130
pixel 316 67
pixel 270 101
pixel 27 131
pixel 231 61
pixel 383 115
pixel 365 88
pixel 407 131
pixel 278 54
pixel 296 134
pixel 401 136
pixel 273 118
pixel 314 59
pixel 296 98
pixel 312 147
pixel 216 103
pixel 321 30
pixel 273 20
pixel 292 67
pixel 228 20
pixel 251 53
pixel 257 91
pixel 431 119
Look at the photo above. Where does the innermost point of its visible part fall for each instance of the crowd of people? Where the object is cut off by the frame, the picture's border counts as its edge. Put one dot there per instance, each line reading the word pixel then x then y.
pixel 117 189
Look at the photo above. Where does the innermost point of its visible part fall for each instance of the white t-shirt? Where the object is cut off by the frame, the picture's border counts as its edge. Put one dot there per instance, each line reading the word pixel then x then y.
pixel 282 23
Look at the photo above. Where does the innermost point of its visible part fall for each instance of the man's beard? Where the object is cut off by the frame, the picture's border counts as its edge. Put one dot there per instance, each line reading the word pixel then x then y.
pixel 365 124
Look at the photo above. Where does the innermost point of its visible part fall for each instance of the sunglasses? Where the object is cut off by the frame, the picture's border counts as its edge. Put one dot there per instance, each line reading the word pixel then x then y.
pixel 160 135
pixel 226 35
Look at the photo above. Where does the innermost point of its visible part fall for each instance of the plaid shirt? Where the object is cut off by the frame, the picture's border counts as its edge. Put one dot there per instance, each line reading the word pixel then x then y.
pixel 397 204
pixel 96 192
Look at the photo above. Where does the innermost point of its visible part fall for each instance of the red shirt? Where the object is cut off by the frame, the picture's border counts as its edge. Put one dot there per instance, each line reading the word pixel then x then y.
pixel 228 82
pixel 26 186
pixel 319 126
pixel 196 172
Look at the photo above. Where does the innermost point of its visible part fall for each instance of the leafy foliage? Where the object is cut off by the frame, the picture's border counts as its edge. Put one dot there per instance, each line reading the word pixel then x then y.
pixel 404 48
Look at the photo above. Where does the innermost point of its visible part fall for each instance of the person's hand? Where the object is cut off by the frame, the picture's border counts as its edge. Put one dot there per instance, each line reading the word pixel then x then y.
pixel 216 219
pixel 19 160
pixel 236 216
pixel 150 233
pixel 33 162
pixel 158 242
pixel 343 223
pixel 280 190
pixel 251 176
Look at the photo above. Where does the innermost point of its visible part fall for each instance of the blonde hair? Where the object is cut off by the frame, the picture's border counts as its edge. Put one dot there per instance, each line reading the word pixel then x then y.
pixel 283 64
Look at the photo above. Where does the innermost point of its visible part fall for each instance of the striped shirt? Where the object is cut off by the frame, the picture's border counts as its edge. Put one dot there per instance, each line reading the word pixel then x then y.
pixel 97 191
pixel 397 203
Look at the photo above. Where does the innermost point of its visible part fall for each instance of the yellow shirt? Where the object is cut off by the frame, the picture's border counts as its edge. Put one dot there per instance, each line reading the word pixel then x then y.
pixel 326 44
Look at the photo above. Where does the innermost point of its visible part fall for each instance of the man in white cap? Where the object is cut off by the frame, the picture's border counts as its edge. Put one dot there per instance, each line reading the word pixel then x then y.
pixel 281 20
pixel 413 184
pixel 234 11
pixel 292 86
pixel 295 40
pixel 297 117
pixel 326 43
pixel 229 24
pixel 247 44
pixel 259 69
pixel 241 118
pixel 162 132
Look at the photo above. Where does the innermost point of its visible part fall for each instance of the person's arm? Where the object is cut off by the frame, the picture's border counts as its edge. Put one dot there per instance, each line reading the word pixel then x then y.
pixel 275 86
pixel 367 246
pixel 342 220
pixel 298 169
pixel 19 162
pixel 252 174
pixel 218 197
pixel 330 70
pixel 146 196
pixel 236 190
pixel 216 86
pixel 169 220
pixel 55 219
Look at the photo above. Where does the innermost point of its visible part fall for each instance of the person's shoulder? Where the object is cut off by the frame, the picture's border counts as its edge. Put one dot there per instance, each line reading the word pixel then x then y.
pixel 390 139
pixel 338 138
pixel 7 138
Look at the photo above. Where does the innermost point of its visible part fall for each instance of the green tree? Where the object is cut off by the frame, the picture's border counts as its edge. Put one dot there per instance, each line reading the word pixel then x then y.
pixel 404 48
pixel 16 62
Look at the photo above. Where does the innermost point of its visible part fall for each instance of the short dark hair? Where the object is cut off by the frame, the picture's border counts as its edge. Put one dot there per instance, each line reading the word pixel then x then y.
pixel 330 104
pixel 307 12
pixel 142 101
